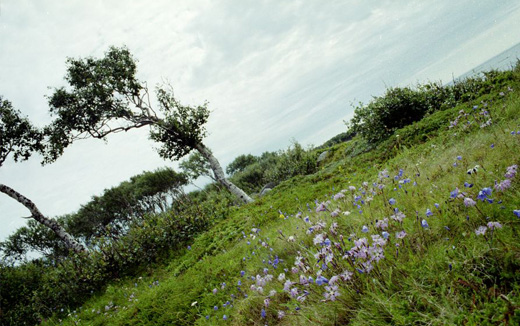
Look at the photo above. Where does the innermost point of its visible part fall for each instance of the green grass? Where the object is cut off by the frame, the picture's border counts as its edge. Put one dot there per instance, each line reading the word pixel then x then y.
pixel 441 275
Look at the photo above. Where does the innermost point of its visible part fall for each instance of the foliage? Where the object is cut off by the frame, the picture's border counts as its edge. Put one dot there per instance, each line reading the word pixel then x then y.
pixel 401 106
pixel 105 97
pixel 19 137
pixel 274 167
pixel 240 163
pixel 196 166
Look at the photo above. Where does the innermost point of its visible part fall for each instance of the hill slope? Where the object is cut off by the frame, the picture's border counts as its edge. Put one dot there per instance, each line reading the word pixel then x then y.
pixel 421 229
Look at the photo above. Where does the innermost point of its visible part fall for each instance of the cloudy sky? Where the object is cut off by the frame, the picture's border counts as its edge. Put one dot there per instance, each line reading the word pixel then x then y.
pixel 272 71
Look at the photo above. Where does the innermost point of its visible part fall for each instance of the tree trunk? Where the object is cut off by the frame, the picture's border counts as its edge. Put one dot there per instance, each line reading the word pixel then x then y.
pixel 69 241
pixel 219 174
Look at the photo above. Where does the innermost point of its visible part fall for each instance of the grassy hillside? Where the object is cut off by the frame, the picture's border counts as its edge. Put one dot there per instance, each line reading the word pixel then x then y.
pixel 420 229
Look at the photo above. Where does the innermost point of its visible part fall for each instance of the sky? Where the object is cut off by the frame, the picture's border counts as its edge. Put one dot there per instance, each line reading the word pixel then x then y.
pixel 273 72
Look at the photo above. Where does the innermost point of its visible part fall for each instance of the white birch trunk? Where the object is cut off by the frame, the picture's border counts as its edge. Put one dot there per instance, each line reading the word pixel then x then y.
pixel 219 174
pixel 69 241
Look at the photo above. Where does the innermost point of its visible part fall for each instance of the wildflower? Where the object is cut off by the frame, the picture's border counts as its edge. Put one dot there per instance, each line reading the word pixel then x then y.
pixel 382 224
pixel 332 292
pixel 503 185
pixel 392 201
pixel 385 234
pixel 511 171
pixel 352 188
pixel 468 185
pixel 481 230
pixel 215 308
pixel 321 207
pixel 281 314
pixel 459 158
pixel 469 202
pixel 335 212
pixel 378 241
pixel 494 225
pixel 242 273
pixel 399 216
pixel 215 291
pixel 224 317
pixel 346 275
pixel 428 212
pixel 424 224
pixel 484 193
pixel 516 212
pixel 281 277
pixel 262 313
pixel 436 205
pixel 320 280
pixel 364 229
pixel 346 213
pixel 294 292
pixel 333 279
pixel 454 193
pixel 291 238
pixel 339 195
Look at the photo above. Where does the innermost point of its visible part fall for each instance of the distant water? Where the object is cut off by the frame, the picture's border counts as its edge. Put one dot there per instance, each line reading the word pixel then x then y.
pixel 502 61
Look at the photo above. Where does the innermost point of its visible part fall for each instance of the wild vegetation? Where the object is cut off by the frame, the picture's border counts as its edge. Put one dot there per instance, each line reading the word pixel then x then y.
pixel 412 218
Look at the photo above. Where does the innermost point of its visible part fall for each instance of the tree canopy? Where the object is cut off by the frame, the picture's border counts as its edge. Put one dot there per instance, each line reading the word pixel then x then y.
pixel 104 97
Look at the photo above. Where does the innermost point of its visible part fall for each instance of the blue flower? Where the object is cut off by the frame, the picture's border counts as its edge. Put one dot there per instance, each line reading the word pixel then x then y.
pixel 454 193
pixel 392 201
pixel 364 229
pixel 468 185
pixel 215 308
pixel 428 212
pixel 385 234
pixel 224 317
pixel 320 280
pixel 242 273
pixel 424 224
pixel 262 313
pixel 459 157
pixel 517 212
pixel 436 205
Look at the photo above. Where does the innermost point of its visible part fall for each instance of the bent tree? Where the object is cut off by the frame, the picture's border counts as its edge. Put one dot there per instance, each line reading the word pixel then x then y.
pixel 105 97
pixel 20 139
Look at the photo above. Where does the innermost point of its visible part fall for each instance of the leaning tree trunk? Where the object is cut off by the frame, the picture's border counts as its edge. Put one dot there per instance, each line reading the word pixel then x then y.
pixel 69 241
pixel 219 174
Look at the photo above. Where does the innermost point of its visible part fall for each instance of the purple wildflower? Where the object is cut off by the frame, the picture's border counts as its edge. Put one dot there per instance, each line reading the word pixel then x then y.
pixel 339 195
pixel 385 234
pixel 392 201
pixel 503 185
pixel 320 280
pixel 494 225
pixel 262 313
pixel 281 314
pixel 364 229
pixel 481 230
pixel 428 212
pixel 469 202
pixel 321 207
pixel 516 212
pixel 454 193
pixel 332 292
pixel 424 224
pixel 511 171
